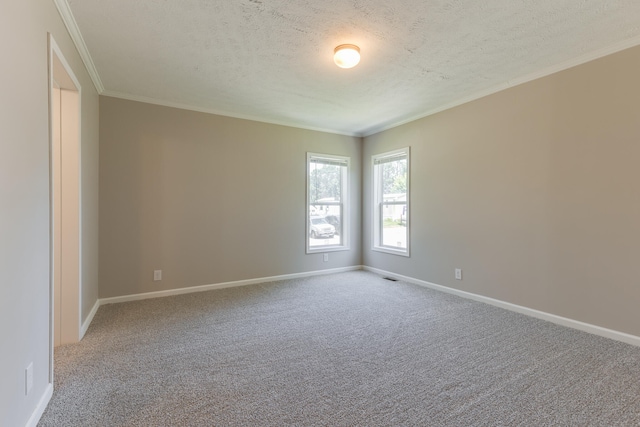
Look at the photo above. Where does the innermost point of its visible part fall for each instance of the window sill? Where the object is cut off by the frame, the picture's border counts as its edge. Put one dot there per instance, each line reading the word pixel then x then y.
pixel 392 251
pixel 322 249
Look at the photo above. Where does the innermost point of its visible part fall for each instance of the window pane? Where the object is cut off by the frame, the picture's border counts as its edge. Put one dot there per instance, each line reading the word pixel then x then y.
pixel 394 178
pixel 394 192
pixel 326 198
pixel 325 183
pixel 325 227
pixel 394 225
pixel 391 201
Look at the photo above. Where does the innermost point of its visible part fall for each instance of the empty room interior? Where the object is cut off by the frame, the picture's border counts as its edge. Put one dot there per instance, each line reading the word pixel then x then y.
pixel 210 217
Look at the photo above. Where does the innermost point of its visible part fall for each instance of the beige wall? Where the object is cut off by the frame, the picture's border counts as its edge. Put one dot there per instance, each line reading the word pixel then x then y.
pixel 534 192
pixel 207 199
pixel 24 199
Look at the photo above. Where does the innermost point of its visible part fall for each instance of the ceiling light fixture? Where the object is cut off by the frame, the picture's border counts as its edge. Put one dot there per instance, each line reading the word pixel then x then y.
pixel 346 55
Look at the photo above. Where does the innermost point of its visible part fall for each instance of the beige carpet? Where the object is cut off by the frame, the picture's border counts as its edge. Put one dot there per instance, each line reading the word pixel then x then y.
pixel 349 349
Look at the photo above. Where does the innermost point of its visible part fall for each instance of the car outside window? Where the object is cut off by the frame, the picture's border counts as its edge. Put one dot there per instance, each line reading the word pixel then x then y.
pixel 327 202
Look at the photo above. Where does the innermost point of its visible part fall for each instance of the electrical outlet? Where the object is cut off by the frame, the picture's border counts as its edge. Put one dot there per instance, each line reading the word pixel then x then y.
pixel 28 379
pixel 157 275
pixel 458 274
pixel 325 257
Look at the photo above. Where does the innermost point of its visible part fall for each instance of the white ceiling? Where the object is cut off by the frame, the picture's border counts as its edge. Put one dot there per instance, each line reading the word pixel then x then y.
pixel 271 60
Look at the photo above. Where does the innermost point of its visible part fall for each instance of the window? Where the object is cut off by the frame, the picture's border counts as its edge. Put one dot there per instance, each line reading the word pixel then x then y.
pixel 391 202
pixel 327 207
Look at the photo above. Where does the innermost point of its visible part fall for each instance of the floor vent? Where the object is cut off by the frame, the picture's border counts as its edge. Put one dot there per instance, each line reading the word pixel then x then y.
pixel 390 279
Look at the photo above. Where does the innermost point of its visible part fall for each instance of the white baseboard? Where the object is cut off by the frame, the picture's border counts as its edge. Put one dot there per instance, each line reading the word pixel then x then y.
pixel 148 295
pixel 202 288
pixel 89 319
pixel 42 405
pixel 575 324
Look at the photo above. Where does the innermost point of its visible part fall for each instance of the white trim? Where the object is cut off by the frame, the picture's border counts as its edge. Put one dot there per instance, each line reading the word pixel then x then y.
pixel 51 82
pixel 89 319
pixel 559 320
pixel 171 104
pixel 376 215
pixel 179 291
pixel 345 196
pixel 76 36
pixel 42 405
pixel 391 251
pixel 74 328
pixel 582 59
pixel 67 67
pixel 203 288
pixel 78 40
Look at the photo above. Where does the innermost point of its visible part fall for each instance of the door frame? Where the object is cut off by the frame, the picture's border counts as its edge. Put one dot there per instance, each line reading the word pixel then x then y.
pixel 70 266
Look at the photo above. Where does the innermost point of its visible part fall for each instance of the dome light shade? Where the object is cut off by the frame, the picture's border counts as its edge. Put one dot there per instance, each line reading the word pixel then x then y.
pixel 346 55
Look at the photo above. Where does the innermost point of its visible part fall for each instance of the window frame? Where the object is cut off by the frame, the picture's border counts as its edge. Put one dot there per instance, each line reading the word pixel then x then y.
pixel 378 203
pixel 343 203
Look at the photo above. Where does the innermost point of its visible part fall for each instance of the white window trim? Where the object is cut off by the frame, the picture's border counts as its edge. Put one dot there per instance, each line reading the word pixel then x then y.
pixel 345 213
pixel 376 233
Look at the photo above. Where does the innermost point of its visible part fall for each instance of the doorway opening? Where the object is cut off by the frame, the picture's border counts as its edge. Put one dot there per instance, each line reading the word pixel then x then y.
pixel 65 273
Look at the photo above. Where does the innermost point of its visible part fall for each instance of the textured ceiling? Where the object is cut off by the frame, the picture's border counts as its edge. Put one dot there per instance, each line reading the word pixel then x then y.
pixel 271 60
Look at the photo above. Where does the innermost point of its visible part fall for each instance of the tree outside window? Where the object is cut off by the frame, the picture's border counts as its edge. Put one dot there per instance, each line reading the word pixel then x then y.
pixel 327 214
pixel 391 202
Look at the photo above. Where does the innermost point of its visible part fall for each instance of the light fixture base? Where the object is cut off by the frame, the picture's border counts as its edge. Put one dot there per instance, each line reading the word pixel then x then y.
pixel 346 55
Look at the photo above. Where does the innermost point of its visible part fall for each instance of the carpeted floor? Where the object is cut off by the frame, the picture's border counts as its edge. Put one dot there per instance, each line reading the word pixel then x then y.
pixel 349 349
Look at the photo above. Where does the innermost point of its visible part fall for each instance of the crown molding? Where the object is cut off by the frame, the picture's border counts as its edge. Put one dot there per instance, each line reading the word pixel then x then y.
pixel 76 36
pixel 582 59
pixel 163 103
